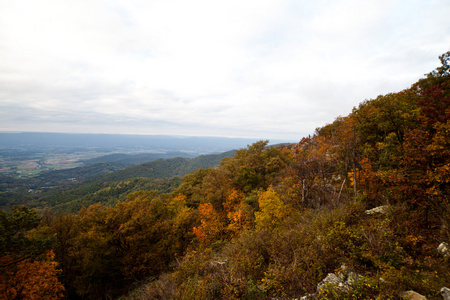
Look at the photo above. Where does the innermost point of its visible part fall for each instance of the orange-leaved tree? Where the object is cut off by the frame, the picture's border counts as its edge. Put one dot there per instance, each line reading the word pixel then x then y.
pixel 238 212
pixel 211 226
pixel 32 279
pixel 27 267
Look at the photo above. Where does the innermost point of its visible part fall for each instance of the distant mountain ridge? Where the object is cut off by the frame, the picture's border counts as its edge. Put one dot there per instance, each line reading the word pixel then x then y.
pixel 200 145
pixel 166 168
pixel 136 159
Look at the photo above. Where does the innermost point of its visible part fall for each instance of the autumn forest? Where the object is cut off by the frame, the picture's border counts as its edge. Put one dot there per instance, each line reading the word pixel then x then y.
pixel 269 222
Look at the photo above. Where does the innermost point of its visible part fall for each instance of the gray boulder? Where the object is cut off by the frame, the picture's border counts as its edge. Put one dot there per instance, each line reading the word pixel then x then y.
pixel 378 210
pixel 445 293
pixel 309 297
pixel 411 295
pixel 348 276
pixel 336 282
pixel 443 249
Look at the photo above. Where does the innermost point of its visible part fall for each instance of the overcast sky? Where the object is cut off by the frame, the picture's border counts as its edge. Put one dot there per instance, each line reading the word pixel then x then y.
pixel 240 68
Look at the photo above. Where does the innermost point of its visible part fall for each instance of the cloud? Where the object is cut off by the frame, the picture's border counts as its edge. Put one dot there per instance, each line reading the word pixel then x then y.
pixel 264 69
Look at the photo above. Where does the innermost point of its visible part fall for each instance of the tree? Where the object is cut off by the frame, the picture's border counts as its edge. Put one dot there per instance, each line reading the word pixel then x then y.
pixel 380 119
pixel 14 242
pixel 237 212
pixel 272 210
pixel 255 167
pixel 111 247
pixel 211 226
pixel 32 279
pixel 443 70
pixel 27 267
pixel 67 229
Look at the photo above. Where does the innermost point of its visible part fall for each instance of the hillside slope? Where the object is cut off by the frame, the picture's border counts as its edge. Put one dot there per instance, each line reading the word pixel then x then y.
pixel 15 191
pixel 137 159
pixel 165 168
pixel 111 187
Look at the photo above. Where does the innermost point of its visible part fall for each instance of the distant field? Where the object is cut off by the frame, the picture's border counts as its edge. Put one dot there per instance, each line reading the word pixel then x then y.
pixel 33 164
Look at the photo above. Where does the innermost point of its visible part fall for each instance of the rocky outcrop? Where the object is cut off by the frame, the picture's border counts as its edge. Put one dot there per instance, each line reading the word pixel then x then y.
pixel 411 295
pixel 342 281
pixel 378 210
pixel 333 281
pixel 445 293
pixel 348 276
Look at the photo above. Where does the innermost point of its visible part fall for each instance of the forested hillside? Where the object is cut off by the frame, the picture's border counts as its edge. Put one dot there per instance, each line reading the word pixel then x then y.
pixel 15 191
pixel 105 182
pixel 141 158
pixel 162 168
pixel 107 193
pixel 267 223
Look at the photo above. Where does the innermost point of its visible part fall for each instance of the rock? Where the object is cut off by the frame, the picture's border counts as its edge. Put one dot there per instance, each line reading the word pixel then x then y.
pixel 411 295
pixel 329 187
pixel 309 297
pixel 445 293
pixel 443 249
pixel 378 210
pixel 334 280
pixel 352 277
pixel 347 276
pixel 218 262
pixel 336 177
pixel 343 271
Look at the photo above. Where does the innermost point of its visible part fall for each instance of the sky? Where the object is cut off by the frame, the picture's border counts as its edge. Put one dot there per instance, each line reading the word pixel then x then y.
pixel 266 69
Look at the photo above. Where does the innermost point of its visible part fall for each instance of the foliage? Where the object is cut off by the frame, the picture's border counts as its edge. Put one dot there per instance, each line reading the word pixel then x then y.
pixel 272 210
pixel 210 227
pixel 107 193
pixel 363 288
pixel 102 249
pixel 16 244
pixel 27 267
pixel 32 280
pixel 166 168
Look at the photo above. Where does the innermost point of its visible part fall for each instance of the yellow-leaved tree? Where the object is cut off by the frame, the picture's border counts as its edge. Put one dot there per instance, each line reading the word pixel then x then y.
pixel 271 210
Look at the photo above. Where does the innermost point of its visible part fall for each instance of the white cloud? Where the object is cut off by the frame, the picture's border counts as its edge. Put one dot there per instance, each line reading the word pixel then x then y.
pixel 263 69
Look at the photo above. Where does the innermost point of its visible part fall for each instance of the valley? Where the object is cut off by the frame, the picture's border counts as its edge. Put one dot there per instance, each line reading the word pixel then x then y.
pixel 25 163
pixel 59 175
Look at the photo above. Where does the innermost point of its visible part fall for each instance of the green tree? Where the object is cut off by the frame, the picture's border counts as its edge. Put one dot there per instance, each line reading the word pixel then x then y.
pixel 15 243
